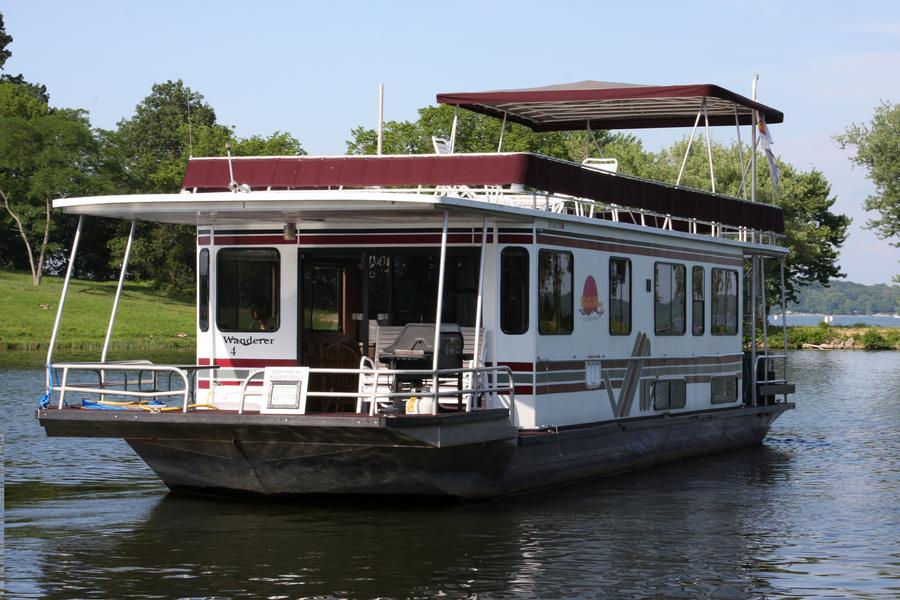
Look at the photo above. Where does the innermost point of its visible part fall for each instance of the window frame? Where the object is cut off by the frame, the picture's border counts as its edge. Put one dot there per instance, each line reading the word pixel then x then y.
pixel 695 301
pixel 682 383
pixel 548 251
pixel 737 304
pixel 526 296
pixel 674 267
pixel 203 290
pixel 219 281
pixel 627 262
pixel 712 391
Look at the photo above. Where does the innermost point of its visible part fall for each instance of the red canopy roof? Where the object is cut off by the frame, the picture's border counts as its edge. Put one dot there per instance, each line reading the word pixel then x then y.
pixel 605 105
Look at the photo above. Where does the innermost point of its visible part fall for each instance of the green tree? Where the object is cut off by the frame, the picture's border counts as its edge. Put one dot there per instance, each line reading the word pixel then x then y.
pixel 878 150
pixel 5 40
pixel 45 154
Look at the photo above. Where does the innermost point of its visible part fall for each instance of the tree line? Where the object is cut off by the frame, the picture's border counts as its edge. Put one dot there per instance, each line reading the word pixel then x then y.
pixel 48 152
pixel 847 298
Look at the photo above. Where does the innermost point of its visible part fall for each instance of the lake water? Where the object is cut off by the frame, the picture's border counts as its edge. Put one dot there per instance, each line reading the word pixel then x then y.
pixel 814 512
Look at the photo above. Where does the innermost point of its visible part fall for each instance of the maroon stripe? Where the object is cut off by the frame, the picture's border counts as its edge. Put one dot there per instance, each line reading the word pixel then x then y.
pixel 516 239
pixel 203 384
pixel 565 242
pixel 517 366
pixel 523 390
pixel 613 363
pixel 244 240
pixel 560 365
pixel 203 240
pixel 251 362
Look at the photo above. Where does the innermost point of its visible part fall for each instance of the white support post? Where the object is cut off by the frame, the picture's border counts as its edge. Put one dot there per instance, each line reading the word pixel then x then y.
pixel 437 316
pixel 453 129
pixel 62 300
pixel 688 150
pixel 502 130
pixel 477 348
pixel 712 175
pixel 737 126
pixel 753 134
pixel 380 135
pixel 784 336
pixel 753 330
pixel 115 306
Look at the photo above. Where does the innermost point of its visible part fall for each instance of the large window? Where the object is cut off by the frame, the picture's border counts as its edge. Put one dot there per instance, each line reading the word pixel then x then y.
pixel 323 291
pixel 724 302
pixel 723 389
pixel 619 296
pixel 248 289
pixel 203 290
pixel 698 301
pixel 669 299
pixel 555 297
pixel 514 290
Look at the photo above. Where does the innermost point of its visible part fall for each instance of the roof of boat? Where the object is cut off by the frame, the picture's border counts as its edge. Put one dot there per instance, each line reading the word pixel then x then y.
pixel 609 105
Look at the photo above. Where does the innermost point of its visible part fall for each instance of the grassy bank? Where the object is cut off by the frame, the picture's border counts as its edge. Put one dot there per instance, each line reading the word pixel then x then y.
pixel 147 323
pixel 827 337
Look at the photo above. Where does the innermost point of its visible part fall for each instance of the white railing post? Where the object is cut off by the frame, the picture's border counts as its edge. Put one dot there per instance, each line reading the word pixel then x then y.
pixel 478 303
pixel 62 302
pixel 688 150
pixel 437 316
pixel 115 306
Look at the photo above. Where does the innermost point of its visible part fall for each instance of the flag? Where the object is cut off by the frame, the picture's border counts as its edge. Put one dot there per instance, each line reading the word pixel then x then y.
pixel 765 140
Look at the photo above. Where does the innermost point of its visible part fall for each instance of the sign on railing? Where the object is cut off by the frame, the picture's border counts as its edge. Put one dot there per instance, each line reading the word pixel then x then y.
pixel 284 390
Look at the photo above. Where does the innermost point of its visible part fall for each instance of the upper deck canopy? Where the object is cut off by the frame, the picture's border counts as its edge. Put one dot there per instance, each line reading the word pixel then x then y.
pixel 605 105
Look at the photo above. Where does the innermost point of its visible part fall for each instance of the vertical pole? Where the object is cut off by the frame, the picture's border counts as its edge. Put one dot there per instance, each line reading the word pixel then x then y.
pixel 62 299
pixel 380 118
pixel 688 150
pixel 712 175
pixel 476 350
pixel 784 375
pixel 502 129
pixel 115 306
pixel 753 329
pixel 437 315
pixel 453 129
pixel 753 134
pixel 765 314
pixel 737 126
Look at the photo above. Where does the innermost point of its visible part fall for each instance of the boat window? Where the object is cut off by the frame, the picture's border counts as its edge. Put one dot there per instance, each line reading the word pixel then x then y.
pixel 669 299
pixel 619 296
pixel 698 302
pixel 555 297
pixel 723 389
pixel 248 289
pixel 668 394
pixel 323 291
pixel 203 290
pixel 514 291
pixel 724 302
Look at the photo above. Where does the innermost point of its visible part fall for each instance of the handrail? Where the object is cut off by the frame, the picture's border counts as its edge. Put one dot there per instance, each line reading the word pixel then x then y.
pixel 63 387
pixel 509 388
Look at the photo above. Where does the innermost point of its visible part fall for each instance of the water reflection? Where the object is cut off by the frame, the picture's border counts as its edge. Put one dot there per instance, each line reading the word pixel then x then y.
pixel 814 512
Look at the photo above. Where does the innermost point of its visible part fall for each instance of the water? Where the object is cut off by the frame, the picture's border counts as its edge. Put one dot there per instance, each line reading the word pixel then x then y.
pixel 837 320
pixel 812 513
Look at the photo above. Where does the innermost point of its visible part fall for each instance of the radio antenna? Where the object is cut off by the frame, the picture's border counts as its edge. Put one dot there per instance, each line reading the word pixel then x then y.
pixel 190 133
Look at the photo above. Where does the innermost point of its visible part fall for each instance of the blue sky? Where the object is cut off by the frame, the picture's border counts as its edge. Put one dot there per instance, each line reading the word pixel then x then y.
pixel 313 68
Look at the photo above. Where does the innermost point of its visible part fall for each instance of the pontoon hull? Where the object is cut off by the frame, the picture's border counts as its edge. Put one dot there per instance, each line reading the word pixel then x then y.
pixel 474 457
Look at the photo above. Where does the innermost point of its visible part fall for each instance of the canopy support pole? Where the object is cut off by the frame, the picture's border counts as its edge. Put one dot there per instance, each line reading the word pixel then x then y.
pixel 453 129
pixel 62 299
pixel 115 306
pixel 502 129
pixel 435 385
pixel 380 136
pixel 688 150
pixel 753 330
pixel 712 175
pixel 737 126
pixel 784 375
pixel 476 362
pixel 753 127
pixel 590 133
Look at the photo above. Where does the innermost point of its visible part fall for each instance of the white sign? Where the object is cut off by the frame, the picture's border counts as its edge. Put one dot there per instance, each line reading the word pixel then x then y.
pixel 284 390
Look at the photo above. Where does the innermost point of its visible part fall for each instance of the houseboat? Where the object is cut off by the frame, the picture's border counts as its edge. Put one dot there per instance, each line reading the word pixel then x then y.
pixel 464 325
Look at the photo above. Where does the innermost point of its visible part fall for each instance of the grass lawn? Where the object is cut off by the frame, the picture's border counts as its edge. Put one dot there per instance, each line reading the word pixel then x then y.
pixel 146 321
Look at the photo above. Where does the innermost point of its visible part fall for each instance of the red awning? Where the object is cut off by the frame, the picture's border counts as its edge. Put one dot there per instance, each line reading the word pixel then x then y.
pixel 605 105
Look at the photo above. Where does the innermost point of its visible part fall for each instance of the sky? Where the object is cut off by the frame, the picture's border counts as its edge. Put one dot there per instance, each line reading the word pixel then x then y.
pixel 313 68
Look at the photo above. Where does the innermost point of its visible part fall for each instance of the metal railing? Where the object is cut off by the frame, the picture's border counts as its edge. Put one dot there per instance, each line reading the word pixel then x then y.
pixel 765 379
pixel 483 381
pixel 112 388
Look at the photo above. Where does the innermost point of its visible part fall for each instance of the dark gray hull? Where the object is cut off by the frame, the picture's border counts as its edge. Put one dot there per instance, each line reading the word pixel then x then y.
pixel 474 455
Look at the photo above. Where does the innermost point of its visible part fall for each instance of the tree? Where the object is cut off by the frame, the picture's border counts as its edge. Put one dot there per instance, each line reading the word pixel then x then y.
pixel 878 150
pixel 44 154
pixel 5 40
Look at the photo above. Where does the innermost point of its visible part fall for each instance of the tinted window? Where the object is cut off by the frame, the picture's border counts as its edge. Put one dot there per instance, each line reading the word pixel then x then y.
pixel 669 394
pixel 724 302
pixel 247 289
pixel 323 287
pixel 698 302
pixel 723 389
pixel 203 290
pixel 669 299
pixel 555 297
pixel 514 290
pixel 619 296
